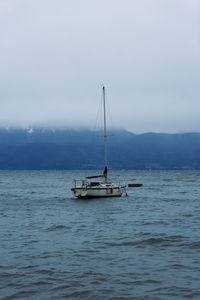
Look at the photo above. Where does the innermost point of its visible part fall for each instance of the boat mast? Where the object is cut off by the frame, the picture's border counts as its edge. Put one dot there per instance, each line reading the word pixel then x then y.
pixel 105 134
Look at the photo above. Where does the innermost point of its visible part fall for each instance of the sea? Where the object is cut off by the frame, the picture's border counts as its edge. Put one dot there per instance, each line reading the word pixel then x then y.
pixel 145 245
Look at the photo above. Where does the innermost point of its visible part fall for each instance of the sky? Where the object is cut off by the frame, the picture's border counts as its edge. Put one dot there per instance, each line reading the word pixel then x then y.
pixel 55 56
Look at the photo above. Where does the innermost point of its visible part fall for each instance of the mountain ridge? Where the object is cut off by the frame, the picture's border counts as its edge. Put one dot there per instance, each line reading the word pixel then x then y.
pixel 65 149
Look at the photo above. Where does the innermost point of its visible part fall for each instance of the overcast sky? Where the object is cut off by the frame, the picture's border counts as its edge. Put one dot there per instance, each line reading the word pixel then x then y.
pixel 55 55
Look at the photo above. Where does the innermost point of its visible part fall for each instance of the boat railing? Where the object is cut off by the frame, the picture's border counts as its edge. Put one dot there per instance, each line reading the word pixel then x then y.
pixel 83 183
pixel 122 183
pixel 80 183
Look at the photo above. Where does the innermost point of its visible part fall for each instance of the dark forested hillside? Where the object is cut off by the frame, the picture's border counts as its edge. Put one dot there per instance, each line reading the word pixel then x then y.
pixel 48 149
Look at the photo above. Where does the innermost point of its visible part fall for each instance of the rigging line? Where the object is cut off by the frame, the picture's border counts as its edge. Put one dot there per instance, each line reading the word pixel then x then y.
pixel 98 126
pixel 108 114
pixel 98 120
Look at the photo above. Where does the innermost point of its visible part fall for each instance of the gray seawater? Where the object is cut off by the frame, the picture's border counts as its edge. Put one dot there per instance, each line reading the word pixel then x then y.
pixel 144 246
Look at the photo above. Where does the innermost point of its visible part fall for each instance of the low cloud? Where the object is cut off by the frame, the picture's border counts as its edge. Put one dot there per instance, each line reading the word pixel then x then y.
pixel 55 56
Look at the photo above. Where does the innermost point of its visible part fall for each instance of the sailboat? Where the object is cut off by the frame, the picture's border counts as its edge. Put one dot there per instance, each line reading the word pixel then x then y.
pixel 88 188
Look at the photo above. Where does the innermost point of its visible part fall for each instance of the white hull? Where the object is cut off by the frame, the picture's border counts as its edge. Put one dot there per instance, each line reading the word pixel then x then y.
pixel 110 190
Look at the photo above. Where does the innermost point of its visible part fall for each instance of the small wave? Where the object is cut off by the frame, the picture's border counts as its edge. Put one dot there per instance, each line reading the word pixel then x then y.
pixel 175 291
pixel 30 242
pixel 78 294
pixel 156 223
pixel 22 294
pixel 183 267
pixel 183 192
pixel 188 215
pixel 45 271
pixel 46 255
pixel 153 241
pixel 173 200
pixel 193 245
pixel 193 295
pixel 178 266
pixel 61 287
pixel 144 234
pixel 41 282
pixel 27 267
pixel 149 281
pixel 168 179
pixel 154 188
pixel 57 227
pixel 168 240
pixel 11 275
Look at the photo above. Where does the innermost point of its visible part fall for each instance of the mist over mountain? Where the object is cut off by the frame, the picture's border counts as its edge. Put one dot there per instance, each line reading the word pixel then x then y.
pixel 65 149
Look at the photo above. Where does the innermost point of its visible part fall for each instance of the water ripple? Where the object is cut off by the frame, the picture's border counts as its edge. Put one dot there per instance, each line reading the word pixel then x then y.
pixel 144 246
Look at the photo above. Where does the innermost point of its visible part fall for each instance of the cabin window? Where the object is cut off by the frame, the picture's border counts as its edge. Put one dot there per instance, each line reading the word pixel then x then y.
pixel 94 183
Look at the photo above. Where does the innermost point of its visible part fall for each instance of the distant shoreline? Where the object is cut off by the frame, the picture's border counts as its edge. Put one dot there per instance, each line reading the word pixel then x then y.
pixel 46 149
